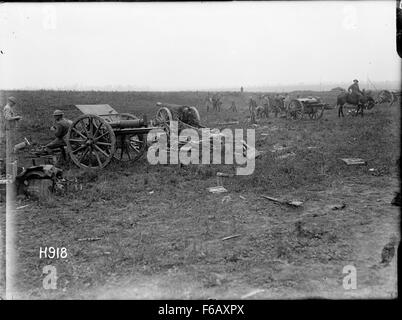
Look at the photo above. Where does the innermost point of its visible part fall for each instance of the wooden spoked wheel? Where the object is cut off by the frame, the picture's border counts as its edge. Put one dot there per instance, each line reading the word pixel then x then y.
pixel 196 114
pixel 129 147
pixel 164 117
pixel 386 96
pixel 91 142
pixel 316 113
pixel 295 110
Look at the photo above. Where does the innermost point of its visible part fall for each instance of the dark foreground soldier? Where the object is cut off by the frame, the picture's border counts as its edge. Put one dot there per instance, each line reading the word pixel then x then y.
pixel 60 129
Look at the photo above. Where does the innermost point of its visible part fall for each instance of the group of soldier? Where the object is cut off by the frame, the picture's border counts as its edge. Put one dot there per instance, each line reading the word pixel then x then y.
pixel 275 103
pixel 61 125
pixel 267 103
pixel 8 124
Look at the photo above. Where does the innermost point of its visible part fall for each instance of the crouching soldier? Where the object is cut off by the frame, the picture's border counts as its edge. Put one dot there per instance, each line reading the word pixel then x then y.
pixel 60 129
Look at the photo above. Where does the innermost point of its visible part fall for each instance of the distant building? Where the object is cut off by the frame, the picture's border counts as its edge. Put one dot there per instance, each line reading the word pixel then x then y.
pixel 241 89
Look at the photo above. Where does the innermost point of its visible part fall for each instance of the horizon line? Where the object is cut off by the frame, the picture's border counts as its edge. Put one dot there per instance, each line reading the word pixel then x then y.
pixel 232 88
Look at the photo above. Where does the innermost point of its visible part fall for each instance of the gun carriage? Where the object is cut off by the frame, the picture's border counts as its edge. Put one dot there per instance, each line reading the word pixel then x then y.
pixel 312 107
pixel 102 134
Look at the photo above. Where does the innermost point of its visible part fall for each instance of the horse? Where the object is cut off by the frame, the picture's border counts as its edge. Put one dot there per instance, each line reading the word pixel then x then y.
pixel 261 112
pixel 360 102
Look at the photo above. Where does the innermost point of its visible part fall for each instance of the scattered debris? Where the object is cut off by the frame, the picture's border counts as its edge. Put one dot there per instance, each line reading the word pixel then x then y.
pixel 278 148
pixel 249 151
pixel 151 192
pixel 226 199
pixel 371 169
pixel 223 174
pixel 21 145
pixel 354 161
pixel 252 293
pixel 241 197
pixel 286 155
pixel 273 128
pixel 338 206
pixel 22 207
pixel 312 147
pixel 287 202
pixel 38 181
pixel 89 239
pixel 227 123
pixel 264 134
pixel 231 237
pixel 218 189
pixel 219 176
pixel 388 252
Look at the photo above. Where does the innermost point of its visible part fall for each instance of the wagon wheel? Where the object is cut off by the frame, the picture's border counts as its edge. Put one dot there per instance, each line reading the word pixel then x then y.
pixel 317 114
pixel 196 113
pixel 130 147
pixel 386 96
pixel 91 142
pixel 295 110
pixel 164 117
pixel 370 105
pixel 393 99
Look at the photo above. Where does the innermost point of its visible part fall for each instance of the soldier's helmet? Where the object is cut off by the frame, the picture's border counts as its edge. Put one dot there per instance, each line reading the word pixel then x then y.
pixel 12 99
pixel 355 81
pixel 58 113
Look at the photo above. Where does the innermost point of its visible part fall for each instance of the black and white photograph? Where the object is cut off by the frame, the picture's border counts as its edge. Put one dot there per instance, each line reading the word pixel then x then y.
pixel 237 150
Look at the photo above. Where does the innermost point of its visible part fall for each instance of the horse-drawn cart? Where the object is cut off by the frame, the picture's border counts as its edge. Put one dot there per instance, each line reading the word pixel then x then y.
pixel 386 96
pixel 313 107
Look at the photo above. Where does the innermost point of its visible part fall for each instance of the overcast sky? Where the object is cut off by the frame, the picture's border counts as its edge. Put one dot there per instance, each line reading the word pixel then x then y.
pixel 173 46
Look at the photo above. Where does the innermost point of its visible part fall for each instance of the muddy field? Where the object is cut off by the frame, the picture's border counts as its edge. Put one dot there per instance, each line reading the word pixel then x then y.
pixel 160 231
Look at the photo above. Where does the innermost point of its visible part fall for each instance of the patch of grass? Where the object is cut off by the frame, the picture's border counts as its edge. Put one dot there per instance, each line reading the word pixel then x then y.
pixel 152 219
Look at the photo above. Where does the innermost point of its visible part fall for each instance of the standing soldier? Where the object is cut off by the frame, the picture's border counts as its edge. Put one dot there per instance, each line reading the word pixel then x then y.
pixel 252 105
pixel 216 102
pixel 8 125
pixel 233 107
pixel 213 102
pixel 286 102
pixel 207 102
pixel 265 104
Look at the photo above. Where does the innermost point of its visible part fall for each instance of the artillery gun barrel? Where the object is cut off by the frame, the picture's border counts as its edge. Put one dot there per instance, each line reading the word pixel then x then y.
pixel 123 124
